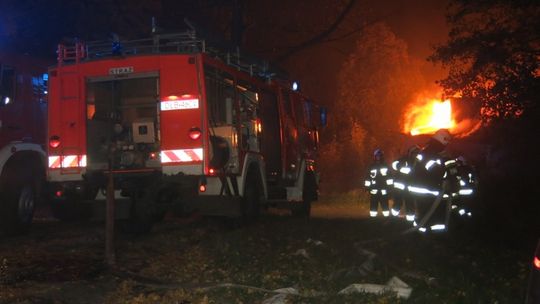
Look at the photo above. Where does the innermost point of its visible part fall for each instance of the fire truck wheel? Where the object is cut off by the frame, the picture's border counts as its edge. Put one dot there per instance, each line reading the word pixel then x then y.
pixel 302 209
pixel 167 198
pixel 251 203
pixel 142 214
pixel 19 198
pixel 17 209
pixel 309 194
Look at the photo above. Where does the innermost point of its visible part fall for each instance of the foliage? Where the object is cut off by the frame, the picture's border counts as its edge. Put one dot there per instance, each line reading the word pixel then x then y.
pixel 375 84
pixel 493 55
pixel 190 260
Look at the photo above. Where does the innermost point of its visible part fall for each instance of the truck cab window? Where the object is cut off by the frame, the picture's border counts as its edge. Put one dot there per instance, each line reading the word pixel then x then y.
pixel 249 101
pixel 7 85
pixel 248 98
pixel 39 87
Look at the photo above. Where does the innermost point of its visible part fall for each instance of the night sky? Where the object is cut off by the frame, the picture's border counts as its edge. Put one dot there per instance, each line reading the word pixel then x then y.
pixel 36 26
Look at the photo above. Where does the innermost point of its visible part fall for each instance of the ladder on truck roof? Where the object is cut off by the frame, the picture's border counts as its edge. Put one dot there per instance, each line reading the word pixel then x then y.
pixel 177 43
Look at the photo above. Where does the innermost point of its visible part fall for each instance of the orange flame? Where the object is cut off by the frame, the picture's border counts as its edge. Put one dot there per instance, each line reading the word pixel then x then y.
pixel 428 116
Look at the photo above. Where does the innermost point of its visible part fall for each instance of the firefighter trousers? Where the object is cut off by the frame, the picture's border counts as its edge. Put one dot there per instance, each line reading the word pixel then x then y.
pixel 437 221
pixel 403 200
pixel 398 200
pixel 375 200
pixel 410 206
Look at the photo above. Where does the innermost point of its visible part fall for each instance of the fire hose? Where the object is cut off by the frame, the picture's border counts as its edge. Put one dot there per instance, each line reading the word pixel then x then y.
pixel 434 207
pixel 425 218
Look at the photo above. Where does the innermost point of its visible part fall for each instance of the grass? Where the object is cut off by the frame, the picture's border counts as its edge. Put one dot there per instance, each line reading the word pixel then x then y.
pixel 206 261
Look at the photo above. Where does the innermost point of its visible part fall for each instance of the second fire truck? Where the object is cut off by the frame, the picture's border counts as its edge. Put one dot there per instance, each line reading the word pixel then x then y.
pixel 178 123
pixel 22 137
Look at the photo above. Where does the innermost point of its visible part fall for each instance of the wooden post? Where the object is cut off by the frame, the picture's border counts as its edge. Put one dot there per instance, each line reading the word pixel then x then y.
pixel 110 255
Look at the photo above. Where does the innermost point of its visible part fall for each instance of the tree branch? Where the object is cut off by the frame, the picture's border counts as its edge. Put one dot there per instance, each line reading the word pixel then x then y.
pixel 319 37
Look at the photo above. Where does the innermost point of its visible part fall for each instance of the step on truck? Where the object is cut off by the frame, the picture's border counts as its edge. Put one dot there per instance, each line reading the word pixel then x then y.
pixel 180 125
pixel 23 161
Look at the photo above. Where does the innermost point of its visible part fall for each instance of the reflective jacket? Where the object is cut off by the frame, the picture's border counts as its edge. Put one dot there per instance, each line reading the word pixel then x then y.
pixel 427 174
pixel 402 171
pixel 378 178
pixel 466 179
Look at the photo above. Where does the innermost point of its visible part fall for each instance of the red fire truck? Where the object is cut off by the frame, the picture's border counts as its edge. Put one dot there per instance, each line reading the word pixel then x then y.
pixel 22 136
pixel 178 123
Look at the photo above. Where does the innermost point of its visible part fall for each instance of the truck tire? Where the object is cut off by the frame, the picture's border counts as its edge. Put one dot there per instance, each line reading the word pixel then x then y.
pixel 143 215
pixel 17 207
pixel 167 199
pixel 251 202
pixel 309 194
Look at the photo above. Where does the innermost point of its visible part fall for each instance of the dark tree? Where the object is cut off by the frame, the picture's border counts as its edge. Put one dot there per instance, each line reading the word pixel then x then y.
pixel 493 55
pixel 376 83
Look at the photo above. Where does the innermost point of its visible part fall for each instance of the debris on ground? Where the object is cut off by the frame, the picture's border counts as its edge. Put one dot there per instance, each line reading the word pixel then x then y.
pixel 394 285
pixel 302 252
pixel 282 295
pixel 314 242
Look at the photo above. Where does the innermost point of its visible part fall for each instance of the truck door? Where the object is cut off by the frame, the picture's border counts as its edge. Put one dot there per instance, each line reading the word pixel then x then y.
pixel 290 138
pixel 250 121
pixel 122 116
pixel 66 121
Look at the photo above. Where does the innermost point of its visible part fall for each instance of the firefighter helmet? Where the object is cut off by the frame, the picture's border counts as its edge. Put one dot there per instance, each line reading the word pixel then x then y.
pixel 442 136
pixel 378 154
pixel 461 160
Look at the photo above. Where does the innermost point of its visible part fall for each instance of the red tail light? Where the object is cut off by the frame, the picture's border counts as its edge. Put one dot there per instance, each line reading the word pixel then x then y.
pixel 194 133
pixel 536 263
pixel 202 188
pixel 54 141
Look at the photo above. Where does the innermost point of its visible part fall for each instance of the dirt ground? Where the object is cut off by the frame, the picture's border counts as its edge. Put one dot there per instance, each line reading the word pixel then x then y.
pixel 278 259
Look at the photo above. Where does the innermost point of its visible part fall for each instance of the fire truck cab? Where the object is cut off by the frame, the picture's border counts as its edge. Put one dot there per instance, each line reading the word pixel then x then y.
pixel 22 136
pixel 178 123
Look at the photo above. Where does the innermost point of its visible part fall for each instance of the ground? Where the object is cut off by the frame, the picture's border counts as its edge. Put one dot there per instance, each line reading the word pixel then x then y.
pixel 201 260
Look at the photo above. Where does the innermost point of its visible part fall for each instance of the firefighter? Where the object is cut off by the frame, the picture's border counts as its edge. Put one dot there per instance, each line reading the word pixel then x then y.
pixel 402 168
pixel 378 182
pixel 397 193
pixel 428 183
pixel 466 187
